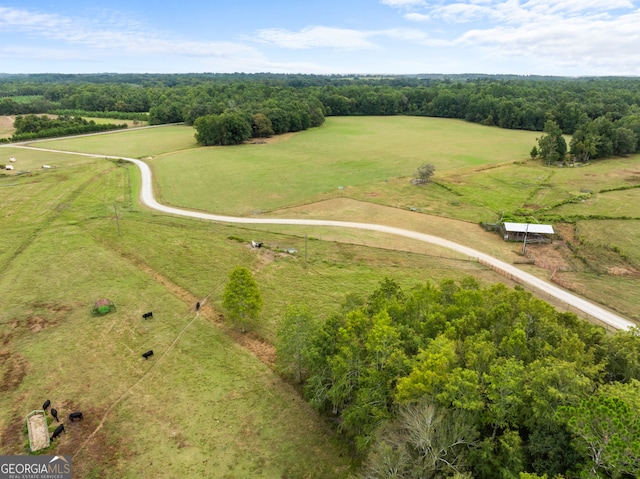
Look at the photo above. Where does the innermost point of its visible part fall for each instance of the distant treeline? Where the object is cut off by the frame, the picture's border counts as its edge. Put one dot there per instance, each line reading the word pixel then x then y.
pixel 32 126
pixel 506 101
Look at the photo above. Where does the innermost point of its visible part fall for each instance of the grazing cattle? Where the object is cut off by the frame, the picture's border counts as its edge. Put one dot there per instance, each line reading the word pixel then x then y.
pixel 54 413
pixel 198 306
pixel 75 415
pixel 46 405
pixel 147 354
pixel 59 430
pixel 147 315
pixel 256 244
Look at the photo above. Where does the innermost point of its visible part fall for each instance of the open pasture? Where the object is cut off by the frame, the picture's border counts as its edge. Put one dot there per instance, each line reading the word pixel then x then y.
pixel 613 204
pixel 117 121
pixel 619 237
pixel 204 403
pixel 297 174
pixel 133 143
pixel 344 154
pixel 201 404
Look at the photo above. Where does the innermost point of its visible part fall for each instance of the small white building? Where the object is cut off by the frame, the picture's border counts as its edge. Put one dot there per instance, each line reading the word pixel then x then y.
pixel 534 233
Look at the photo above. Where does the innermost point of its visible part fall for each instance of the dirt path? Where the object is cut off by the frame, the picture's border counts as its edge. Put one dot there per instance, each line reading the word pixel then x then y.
pixel 580 304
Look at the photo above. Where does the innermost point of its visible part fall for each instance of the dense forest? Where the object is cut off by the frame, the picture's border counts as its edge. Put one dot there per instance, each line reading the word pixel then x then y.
pixel 459 380
pixel 602 114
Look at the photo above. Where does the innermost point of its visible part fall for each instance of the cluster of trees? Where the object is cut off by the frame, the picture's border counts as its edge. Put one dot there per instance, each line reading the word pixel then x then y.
pixel 603 113
pixel 34 126
pixel 459 380
pixel 505 101
pixel 232 126
pixel 600 138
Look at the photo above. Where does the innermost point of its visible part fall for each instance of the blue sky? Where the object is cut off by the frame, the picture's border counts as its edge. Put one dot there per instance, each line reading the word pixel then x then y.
pixel 541 37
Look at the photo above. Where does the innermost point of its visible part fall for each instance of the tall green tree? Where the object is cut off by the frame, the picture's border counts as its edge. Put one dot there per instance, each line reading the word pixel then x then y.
pixel 262 127
pixel 293 345
pixel 229 128
pixel 242 298
pixel 606 427
pixel 552 146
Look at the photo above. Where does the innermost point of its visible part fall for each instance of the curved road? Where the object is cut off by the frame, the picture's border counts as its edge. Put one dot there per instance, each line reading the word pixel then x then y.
pixel 590 309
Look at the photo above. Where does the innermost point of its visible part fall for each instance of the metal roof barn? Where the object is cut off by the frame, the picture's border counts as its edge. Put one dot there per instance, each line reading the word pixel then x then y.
pixel 529 228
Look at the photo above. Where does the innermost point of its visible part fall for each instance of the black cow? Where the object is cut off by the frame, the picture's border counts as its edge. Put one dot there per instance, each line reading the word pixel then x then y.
pixel 46 404
pixel 147 315
pixel 59 430
pixel 147 354
pixel 198 306
pixel 75 415
pixel 54 413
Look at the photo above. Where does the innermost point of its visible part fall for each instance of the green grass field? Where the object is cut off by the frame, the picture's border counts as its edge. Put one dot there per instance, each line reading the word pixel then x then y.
pixel 341 158
pixel 204 403
pixel 208 402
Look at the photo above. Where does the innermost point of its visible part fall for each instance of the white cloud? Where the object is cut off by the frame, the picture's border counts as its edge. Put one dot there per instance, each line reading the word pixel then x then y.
pixel 608 45
pixel 403 3
pixel 417 17
pixel 575 6
pixel 316 37
pixel 114 34
pixel 462 12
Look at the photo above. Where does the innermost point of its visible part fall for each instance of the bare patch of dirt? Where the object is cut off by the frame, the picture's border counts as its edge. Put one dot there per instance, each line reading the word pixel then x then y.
pixel 628 271
pixel 52 307
pixel 552 256
pixel 265 256
pixel 265 352
pixel 37 323
pixel 15 369
pixel 273 139
pixel 262 350
pixel 99 456
pixel 8 336
pixel 532 206
pixel 12 437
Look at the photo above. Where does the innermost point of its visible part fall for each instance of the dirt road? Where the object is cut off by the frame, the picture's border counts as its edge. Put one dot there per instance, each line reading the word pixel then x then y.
pixel 590 309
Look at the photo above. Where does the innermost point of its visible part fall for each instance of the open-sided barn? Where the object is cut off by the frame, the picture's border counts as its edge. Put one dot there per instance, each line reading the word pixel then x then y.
pixel 534 233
